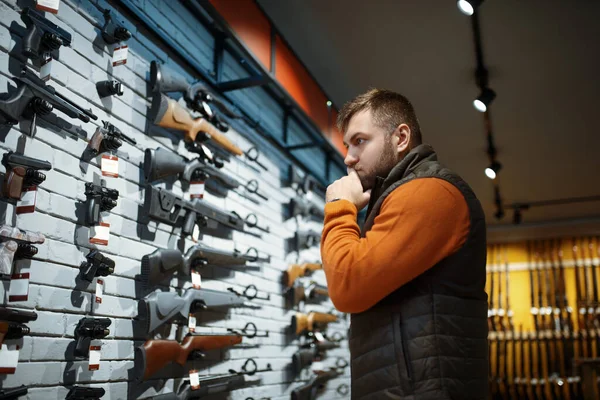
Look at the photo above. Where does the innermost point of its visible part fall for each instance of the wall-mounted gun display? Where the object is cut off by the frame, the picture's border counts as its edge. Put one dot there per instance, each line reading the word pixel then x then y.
pixel 154 355
pixel 303 240
pixel 85 393
pixel 304 207
pixel 42 36
pixel 109 88
pixel 87 330
pixel 34 97
pixel 12 323
pixel 22 172
pixel 113 31
pixel 108 138
pixel 296 271
pixel 13 393
pixel 303 183
pixel 96 264
pixel 311 351
pixel 306 290
pixel 161 307
pixel 311 322
pixel 168 113
pixel 163 263
pixel 16 244
pixel 99 199
pixel 317 382
pixel 166 207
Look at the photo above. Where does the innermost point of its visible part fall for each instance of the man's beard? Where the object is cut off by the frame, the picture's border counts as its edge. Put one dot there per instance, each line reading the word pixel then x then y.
pixel 387 161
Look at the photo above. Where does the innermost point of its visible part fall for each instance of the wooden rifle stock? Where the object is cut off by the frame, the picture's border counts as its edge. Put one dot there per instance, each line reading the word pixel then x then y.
pixel 295 271
pixel 311 321
pixel 158 353
pixel 171 114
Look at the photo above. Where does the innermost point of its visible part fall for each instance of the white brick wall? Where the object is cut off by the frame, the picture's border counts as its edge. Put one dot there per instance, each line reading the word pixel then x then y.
pixel 47 364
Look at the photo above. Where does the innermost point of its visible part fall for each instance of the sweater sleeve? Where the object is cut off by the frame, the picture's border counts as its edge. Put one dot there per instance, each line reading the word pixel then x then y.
pixel 419 224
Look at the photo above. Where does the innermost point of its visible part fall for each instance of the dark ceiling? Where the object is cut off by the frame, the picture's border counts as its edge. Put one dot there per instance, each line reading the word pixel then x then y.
pixel 543 58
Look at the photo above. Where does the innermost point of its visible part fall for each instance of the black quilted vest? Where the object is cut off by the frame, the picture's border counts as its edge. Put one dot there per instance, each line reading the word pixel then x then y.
pixel 428 339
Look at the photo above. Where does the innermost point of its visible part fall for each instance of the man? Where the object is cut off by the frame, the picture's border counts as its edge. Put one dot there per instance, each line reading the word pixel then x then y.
pixel 414 278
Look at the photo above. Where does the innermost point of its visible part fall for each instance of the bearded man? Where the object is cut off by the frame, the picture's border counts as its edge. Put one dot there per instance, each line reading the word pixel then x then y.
pixel 414 278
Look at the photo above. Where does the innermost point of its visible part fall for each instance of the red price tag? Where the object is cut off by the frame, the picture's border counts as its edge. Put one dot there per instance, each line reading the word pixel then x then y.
pixel 27 202
pixel 9 359
pixel 50 6
pixel 110 166
pixel 194 380
pixel 19 287
pixel 95 350
pixel 120 55
pixel 46 69
pixel 99 290
pixel 100 234
pixel 196 190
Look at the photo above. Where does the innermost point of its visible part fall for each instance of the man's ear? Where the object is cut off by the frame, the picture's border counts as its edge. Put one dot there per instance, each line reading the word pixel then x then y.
pixel 401 138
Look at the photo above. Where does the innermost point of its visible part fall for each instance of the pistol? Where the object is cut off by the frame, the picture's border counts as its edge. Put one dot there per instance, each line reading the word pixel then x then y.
pixel 85 393
pixel 12 323
pixel 22 172
pixel 42 35
pixel 112 31
pixel 88 329
pixel 97 264
pixel 99 199
pixel 16 244
pixel 13 394
pixel 108 138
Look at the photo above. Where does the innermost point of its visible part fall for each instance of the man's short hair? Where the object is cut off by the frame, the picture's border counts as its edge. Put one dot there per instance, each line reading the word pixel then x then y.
pixel 389 109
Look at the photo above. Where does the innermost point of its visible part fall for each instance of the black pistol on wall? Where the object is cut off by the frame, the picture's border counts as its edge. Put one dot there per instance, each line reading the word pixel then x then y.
pixel 43 36
pixel 99 199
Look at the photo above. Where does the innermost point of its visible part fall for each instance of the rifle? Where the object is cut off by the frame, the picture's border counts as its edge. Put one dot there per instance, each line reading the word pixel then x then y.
pixel 108 138
pixel 303 291
pixel 168 113
pixel 304 182
pixel 304 240
pixel 34 97
pixel 579 309
pixel 154 355
pixel 85 393
pixel 97 264
pixel 87 330
pixel 42 36
pixel 295 271
pixel 166 207
pixel 12 323
pixel 309 390
pixel 554 379
pixel 197 96
pixel 99 199
pixel 304 323
pixel 593 307
pixel 160 307
pixel 13 393
pixel 491 310
pixel 22 172
pixel 162 263
pixel 161 163
pixel 16 244
pixel 305 208
pixel 310 352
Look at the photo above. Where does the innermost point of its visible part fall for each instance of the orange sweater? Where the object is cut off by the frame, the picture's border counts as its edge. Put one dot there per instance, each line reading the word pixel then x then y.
pixel 419 224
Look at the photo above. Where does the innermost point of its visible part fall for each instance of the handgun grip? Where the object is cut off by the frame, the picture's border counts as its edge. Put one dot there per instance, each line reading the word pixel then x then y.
pixel 82 346
pixel 31 42
pixel 93 211
pixel 96 141
pixel 189 223
pixel 13 182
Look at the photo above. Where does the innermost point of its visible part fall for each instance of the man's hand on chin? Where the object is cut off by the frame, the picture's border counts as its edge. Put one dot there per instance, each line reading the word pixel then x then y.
pixel 349 188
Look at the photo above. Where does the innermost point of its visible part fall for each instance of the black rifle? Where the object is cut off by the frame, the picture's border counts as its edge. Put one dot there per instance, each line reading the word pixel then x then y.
pixel 166 207
pixel 113 32
pixel 305 208
pixel 33 96
pixel 99 199
pixel 310 352
pixel 85 393
pixel 13 393
pixel 97 264
pixel 303 182
pixel 163 263
pixel 88 329
pixel 317 382
pixel 22 172
pixel 161 163
pixel 304 240
pixel 12 323
pixel 108 138
pixel 42 36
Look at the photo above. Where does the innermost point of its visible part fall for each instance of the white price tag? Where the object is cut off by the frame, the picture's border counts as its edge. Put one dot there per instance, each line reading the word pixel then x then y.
pixel 9 359
pixel 50 6
pixel 46 69
pixel 27 202
pixel 207 151
pixel 192 323
pixel 319 336
pixel 120 55
pixel 95 351
pixel 318 366
pixel 100 234
pixel 110 166
pixel 196 190
pixel 99 290
pixel 194 379
pixel 196 233
pixel 19 287
pixel 196 279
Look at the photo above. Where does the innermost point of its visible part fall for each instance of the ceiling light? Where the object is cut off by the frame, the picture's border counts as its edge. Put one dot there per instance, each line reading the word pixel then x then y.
pixel 484 100
pixel 468 7
pixel 493 169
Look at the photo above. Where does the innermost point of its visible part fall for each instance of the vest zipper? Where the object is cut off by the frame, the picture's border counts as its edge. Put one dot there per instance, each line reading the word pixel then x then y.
pixel 407 363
